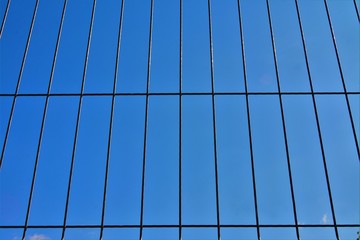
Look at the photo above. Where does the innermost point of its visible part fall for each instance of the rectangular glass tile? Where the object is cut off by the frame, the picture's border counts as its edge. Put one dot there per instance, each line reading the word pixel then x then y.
pixel 161 198
pixel 322 59
pixel 258 49
pixel 311 195
pixel 160 234
pixel 81 233
pixel 234 164
pixel 42 234
pixel 125 169
pixel 341 156
pixel 5 108
pixel 196 47
pixel 238 234
pixel 37 70
pixel 17 167
pixel 228 66
pixel 198 173
pixel 49 196
pixel 87 186
pixel 272 178
pixel 101 68
pixel 317 233
pixel 289 48
pixel 199 233
pixel 278 234
pixel 72 49
pixel 165 47
pixel 133 62
pixel 13 43
pixel 121 234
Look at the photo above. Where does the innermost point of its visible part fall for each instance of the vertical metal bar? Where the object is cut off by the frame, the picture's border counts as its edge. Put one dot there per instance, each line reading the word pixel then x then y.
pixel 4 18
pixel 180 118
pixel 78 120
pixel 214 121
pixel 44 119
pixel 283 120
pixel 111 118
pixel 249 121
pixel 146 119
pixel 19 81
pixel 317 119
pixel 342 78
pixel 357 10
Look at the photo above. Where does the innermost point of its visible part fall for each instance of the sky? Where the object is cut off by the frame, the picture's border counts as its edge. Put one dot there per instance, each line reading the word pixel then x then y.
pixel 233 146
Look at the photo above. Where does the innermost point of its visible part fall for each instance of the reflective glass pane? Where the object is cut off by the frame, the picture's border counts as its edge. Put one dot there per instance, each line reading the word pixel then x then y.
pixel 87 185
pixel 5 108
pixel 11 233
pixel 126 161
pixel 278 234
pixel 72 49
pixel 160 234
pixel 17 167
pixel 198 173
pixel 37 70
pixel 196 52
pixel 317 233
pixel 82 233
pixel 355 111
pixel 238 234
pixel 43 233
pixel 199 233
pixel 234 163
pixel 161 204
pixel 121 234
pixel 13 43
pixel 48 202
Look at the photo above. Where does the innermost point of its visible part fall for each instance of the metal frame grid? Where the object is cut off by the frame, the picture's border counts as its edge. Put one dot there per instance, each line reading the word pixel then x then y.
pixel 180 94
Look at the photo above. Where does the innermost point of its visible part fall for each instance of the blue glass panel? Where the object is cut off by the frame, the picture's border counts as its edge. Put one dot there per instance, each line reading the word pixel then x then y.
pixel 17 167
pixel 87 186
pixel 48 203
pixel 37 70
pixel 196 52
pixel 13 43
pixel 234 163
pixel 238 234
pixel 160 234
pixel 199 233
pixel 11 233
pixel 5 108
pixel 126 161
pixel 278 234
pixel 72 49
pixel 161 204
pixel 43 234
pixel 317 233
pixel 82 233
pixel 121 234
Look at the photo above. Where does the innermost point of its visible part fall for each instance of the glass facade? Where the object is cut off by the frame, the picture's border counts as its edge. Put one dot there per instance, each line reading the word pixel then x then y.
pixel 180 119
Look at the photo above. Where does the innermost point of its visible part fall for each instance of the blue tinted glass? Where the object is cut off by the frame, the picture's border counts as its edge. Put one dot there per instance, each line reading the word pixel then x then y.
pixel 82 233
pixel 133 62
pixel 160 234
pixel 36 75
pixel 43 234
pixel 198 173
pixel 317 233
pixel 238 234
pixel 272 178
pixel 341 156
pixel 278 234
pixel 48 203
pixel 289 48
pixel 89 168
pixel 121 234
pixel 72 49
pixel 199 233
pixel 228 67
pixel 258 49
pixel 196 51
pixel 321 53
pixel 310 187
pixel 346 27
pixel 17 166
pixel 11 233
pixel 13 43
pixel 349 233
pixel 165 47
pixel 101 68
pixel 5 103
pixel 355 111
pixel 234 164
pixel 161 204
pixel 124 199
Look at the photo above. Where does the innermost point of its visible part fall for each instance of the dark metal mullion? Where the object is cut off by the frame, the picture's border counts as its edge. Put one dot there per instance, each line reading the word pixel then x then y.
pixel 44 119
pixel 357 10
pixel 214 121
pixel 146 120
pixel 78 120
pixel 283 120
pixel 249 122
pixel 19 81
pixel 180 118
pixel 317 120
pixel 4 18
pixel 342 78
pixel 111 118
